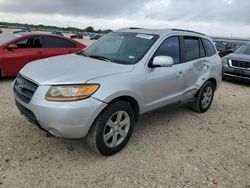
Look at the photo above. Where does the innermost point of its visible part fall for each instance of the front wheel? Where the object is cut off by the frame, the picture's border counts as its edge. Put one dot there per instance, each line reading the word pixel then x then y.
pixel 204 98
pixel 112 129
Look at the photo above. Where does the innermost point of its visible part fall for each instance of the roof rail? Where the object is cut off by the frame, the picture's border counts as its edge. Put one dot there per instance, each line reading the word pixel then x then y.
pixel 188 31
pixel 135 28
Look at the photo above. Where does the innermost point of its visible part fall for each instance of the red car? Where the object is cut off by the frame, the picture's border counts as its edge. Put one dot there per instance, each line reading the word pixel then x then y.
pixel 76 36
pixel 18 50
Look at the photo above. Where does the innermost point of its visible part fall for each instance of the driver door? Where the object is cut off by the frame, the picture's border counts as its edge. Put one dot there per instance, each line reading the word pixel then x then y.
pixel 29 49
pixel 165 85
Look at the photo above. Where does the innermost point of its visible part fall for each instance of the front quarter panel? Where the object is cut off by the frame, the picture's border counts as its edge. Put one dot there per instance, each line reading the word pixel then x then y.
pixel 130 84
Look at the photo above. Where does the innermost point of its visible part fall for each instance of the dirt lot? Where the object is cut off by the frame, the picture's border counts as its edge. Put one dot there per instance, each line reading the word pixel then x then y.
pixel 169 148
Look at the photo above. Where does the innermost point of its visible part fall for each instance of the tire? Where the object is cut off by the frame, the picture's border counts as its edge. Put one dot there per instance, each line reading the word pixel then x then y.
pixel 110 123
pixel 199 105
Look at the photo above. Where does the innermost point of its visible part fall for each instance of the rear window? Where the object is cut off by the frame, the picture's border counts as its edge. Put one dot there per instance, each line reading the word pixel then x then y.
pixel 209 47
pixel 192 48
pixel 55 42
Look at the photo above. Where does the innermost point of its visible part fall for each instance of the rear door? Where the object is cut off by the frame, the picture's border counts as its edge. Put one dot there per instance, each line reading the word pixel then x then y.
pixel 29 49
pixel 198 63
pixel 53 46
pixel 165 84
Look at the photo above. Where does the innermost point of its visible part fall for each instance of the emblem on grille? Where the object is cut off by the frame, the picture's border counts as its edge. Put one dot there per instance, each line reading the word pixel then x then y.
pixel 20 86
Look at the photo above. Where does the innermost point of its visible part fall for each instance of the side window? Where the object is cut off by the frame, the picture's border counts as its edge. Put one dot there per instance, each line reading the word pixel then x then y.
pixel 170 47
pixel 209 47
pixel 32 42
pixel 55 42
pixel 192 48
pixel 202 49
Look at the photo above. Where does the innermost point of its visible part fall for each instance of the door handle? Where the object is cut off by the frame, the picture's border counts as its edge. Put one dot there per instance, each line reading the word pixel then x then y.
pixel 204 67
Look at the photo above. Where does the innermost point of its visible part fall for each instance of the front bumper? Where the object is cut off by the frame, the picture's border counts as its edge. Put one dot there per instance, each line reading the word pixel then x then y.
pixel 235 73
pixel 62 119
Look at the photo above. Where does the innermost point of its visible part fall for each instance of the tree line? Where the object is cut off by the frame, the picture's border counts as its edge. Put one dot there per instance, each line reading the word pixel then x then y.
pixel 53 28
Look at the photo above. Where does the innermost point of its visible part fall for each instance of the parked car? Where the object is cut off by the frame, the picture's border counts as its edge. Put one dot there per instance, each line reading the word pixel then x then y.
pixel 237 65
pixel 57 33
pixel 18 50
pixel 95 37
pixel 100 92
pixel 225 48
pixel 76 36
pixel 22 31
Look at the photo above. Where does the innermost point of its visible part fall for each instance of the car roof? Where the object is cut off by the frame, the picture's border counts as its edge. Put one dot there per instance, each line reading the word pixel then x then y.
pixel 161 32
pixel 37 34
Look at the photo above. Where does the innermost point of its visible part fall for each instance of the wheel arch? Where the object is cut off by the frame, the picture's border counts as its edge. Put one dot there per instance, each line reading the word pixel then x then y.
pixel 214 81
pixel 132 101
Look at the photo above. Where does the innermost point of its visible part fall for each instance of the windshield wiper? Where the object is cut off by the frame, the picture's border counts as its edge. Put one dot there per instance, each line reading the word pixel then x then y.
pixel 100 57
pixel 96 57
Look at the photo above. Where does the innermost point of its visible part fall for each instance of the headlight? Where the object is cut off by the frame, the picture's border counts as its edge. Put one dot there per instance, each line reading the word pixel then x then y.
pixel 71 92
pixel 224 60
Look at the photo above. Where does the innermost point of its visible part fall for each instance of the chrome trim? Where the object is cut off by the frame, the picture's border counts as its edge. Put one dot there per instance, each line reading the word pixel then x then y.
pixel 236 76
pixel 230 65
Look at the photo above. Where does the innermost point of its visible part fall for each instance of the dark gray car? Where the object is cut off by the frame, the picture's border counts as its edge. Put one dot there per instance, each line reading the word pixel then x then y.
pixel 237 65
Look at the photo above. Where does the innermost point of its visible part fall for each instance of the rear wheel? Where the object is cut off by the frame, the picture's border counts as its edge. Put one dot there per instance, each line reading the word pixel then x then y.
pixel 112 129
pixel 204 98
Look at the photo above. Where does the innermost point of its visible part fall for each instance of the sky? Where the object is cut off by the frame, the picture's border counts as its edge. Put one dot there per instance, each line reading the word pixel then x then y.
pixel 212 17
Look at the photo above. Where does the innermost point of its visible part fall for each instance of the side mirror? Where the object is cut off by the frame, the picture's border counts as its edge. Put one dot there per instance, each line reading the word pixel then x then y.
pixel 12 47
pixel 162 61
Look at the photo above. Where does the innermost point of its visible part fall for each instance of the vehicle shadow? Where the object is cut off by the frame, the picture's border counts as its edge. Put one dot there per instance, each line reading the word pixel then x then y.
pixel 241 83
pixel 7 79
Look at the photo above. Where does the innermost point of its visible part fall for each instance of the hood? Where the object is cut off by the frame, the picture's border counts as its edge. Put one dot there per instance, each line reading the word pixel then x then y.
pixel 239 57
pixel 71 69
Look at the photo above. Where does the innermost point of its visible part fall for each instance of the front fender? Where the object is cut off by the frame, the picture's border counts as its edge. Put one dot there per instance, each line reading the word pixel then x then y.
pixel 123 93
pixel 122 85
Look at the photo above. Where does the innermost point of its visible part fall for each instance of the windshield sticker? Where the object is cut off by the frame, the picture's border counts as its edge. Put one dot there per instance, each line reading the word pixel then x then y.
pixel 149 37
pixel 131 57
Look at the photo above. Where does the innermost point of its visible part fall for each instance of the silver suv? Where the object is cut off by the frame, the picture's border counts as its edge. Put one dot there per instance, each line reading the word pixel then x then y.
pixel 100 92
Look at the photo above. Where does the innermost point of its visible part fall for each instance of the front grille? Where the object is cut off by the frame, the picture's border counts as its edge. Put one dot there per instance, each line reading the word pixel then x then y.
pixel 24 89
pixel 241 64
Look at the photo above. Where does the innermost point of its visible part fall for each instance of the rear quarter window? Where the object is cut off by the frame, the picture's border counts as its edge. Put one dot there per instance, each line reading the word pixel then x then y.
pixel 55 42
pixel 209 47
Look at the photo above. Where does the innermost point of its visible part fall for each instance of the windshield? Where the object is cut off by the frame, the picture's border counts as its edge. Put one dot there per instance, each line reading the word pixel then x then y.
pixel 123 48
pixel 221 45
pixel 7 38
pixel 244 49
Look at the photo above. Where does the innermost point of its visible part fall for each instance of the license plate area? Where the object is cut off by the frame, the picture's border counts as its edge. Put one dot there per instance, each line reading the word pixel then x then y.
pixel 240 72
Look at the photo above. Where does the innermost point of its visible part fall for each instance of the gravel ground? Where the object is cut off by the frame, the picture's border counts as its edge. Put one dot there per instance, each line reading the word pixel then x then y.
pixel 169 148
